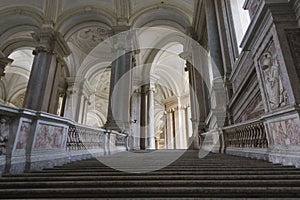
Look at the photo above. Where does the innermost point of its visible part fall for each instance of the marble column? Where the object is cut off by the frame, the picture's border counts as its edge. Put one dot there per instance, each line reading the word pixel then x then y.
pixel 170 130
pixel 150 107
pixel 213 38
pixel 77 99
pixel 189 122
pixel 71 98
pixel 51 47
pixel 135 120
pixel 180 133
pixel 118 107
pixel 143 118
pixel 218 91
pixel 58 90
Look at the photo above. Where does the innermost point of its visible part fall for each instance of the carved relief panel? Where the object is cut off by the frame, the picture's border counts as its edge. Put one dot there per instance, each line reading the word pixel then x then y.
pixel 49 137
pixel 275 92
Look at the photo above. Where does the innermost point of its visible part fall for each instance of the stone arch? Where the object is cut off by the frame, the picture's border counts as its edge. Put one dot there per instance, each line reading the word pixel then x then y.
pixel 18 19
pixel 12 45
pixel 17 75
pixel 166 15
pixel 100 118
pixel 77 19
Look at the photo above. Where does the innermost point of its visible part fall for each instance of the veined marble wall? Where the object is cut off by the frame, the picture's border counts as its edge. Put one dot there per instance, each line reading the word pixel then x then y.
pixel 23 135
pixel 286 131
pixel 49 137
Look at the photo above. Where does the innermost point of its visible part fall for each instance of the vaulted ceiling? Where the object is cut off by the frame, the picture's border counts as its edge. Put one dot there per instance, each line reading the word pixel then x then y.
pixel 86 24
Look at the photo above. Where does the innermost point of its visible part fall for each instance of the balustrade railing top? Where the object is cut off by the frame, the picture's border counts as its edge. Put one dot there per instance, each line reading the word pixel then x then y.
pixel 82 137
pixel 246 135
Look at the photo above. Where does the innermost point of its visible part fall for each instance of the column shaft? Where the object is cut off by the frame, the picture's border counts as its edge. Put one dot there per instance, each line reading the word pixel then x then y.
pixel 214 38
pixel 150 106
pixel 170 131
pixel 40 82
pixel 143 123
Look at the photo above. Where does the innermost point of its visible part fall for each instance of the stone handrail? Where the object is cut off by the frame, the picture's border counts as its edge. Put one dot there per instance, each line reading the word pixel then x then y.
pixel 54 140
pixel 81 137
pixel 248 135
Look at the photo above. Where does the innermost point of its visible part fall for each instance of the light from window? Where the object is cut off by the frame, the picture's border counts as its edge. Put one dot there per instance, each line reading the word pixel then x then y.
pixel 241 19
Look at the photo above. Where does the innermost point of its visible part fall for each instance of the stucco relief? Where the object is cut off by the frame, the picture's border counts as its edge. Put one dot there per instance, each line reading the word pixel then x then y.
pixel 23 135
pixel 286 132
pixel 49 137
pixel 275 91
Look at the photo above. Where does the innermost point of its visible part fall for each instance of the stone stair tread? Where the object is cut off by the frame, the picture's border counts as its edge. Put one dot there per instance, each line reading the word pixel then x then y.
pixel 156 192
pixel 272 177
pixel 151 183
pixel 215 176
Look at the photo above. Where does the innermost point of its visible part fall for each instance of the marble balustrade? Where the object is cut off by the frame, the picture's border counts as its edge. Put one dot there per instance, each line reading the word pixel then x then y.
pixel 31 140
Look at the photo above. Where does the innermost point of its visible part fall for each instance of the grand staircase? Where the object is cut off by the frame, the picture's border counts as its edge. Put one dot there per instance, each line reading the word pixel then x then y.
pixel 214 176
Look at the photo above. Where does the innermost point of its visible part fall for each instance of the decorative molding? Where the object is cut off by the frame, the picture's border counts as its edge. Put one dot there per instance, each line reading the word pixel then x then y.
pixel 51 41
pixel 251 6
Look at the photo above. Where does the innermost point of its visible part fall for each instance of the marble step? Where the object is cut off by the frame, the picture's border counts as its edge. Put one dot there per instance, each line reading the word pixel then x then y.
pixel 150 192
pixel 182 173
pixel 149 183
pixel 212 168
pixel 215 176
pixel 28 179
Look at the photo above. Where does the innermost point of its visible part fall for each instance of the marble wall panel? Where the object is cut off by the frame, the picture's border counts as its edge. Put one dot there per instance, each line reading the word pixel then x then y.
pixel 286 132
pixel 23 136
pixel 49 137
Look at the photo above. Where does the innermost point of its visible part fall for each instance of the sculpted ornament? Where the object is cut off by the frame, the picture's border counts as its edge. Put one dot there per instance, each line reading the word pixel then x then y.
pixel 273 84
